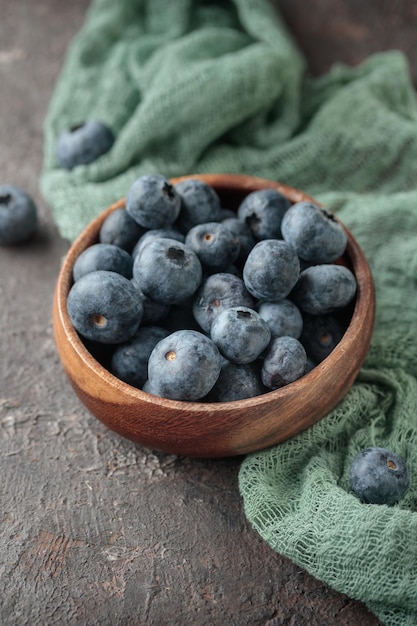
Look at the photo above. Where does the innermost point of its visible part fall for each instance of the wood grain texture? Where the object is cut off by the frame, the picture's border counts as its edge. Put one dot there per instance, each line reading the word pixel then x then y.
pixel 215 429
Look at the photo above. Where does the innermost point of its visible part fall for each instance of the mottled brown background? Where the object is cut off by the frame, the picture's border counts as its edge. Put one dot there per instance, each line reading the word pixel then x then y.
pixel 93 529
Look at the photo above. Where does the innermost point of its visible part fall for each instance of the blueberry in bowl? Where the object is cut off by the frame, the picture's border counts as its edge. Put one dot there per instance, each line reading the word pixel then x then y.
pixel 211 420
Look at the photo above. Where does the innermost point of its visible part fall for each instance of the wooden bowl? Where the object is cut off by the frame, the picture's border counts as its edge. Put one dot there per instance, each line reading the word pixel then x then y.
pixel 226 428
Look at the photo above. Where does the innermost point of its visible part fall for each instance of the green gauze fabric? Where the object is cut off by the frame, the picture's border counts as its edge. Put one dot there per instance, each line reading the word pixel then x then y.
pixel 221 87
pixel 297 494
pixel 186 86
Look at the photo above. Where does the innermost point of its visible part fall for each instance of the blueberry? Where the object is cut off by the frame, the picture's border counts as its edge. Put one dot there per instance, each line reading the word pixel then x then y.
pixel 310 365
pixel 180 317
pixel 246 239
pixel 184 366
pixel 214 244
pixel 103 256
pixel 18 215
pixel 283 318
pixel 83 143
pixel 167 271
pixel 271 270
pixel 147 388
pixel 321 334
pixel 314 233
pixel 225 214
pixel 120 230
pixel 241 334
pixel 219 292
pixel 153 311
pixel 236 382
pixel 199 203
pixel 378 476
pixel 284 362
pixel 153 202
pixel 324 289
pixel 263 211
pixel 157 233
pixel 104 306
pixel 130 359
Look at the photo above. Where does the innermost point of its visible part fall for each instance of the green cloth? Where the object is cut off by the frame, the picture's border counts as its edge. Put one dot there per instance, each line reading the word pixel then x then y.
pixel 220 87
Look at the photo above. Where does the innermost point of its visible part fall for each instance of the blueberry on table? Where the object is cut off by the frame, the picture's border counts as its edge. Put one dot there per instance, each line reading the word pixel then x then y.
pixel 284 362
pixel 103 256
pixel 129 361
pixel 18 215
pixel 120 230
pixel 199 203
pixel 83 143
pixel 105 307
pixel 283 318
pixel 240 334
pixel 271 270
pixel 263 211
pixel 219 292
pixel 324 288
pixel 184 366
pixel 153 202
pixel 167 271
pixel 378 476
pixel 314 233
pixel 214 244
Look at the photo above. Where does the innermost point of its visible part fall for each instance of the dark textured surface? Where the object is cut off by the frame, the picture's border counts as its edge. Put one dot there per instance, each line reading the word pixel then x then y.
pixel 347 31
pixel 93 529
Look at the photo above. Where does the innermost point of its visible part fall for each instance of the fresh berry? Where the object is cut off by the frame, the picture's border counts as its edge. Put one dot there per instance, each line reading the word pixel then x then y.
pixel 314 233
pixel 120 230
pixel 378 476
pixel 104 306
pixel 199 203
pixel 167 271
pixel 236 382
pixel 18 215
pixel 271 270
pixel 130 359
pixel 219 292
pixel 324 288
pixel 321 334
pixel 214 244
pixel 184 366
pixel 156 233
pixel 103 256
pixel 83 143
pixel 153 202
pixel 283 318
pixel 241 334
pixel 243 233
pixel 284 362
pixel 263 211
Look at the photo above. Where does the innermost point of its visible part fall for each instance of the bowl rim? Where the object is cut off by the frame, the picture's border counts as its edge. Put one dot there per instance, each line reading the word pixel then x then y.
pixel 364 302
pixel 215 429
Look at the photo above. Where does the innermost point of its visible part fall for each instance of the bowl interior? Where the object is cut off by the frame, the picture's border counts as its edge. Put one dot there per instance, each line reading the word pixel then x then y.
pixel 214 429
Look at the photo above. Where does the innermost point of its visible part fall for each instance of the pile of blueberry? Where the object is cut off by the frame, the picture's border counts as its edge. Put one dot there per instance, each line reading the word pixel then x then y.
pixel 197 302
